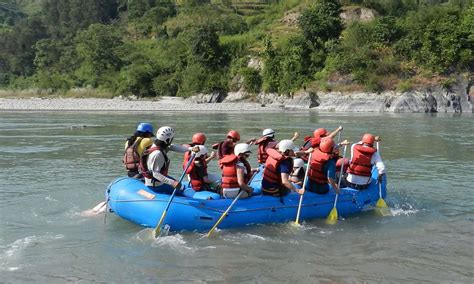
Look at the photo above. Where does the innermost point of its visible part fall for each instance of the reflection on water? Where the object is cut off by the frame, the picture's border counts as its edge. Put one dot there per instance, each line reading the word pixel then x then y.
pixel 56 165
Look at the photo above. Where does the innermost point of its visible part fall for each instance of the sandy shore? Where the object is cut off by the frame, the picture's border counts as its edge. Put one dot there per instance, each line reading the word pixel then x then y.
pixel 94 104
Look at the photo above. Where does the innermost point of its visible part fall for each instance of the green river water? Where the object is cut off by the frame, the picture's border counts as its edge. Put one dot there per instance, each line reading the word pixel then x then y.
pixel 53 168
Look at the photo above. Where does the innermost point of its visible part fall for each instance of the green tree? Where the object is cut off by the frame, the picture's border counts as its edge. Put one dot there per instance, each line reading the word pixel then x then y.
pixel 205 47
pixel 17 47
pixel 252 80
pixel 97 50
pixel 294 65
pixel 271 67
pixel 321 22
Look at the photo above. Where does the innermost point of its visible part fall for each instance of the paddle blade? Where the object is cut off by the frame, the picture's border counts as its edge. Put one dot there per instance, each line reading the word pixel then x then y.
pixel 381 203
pixel 156 232
pixel 158 226
pixel 332 217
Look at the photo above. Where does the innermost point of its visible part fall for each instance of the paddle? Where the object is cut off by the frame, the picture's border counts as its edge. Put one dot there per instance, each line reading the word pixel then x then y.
pixel 380 203
pixel 230 207
pixel 297 221
pixel 332 217
pixel 158 226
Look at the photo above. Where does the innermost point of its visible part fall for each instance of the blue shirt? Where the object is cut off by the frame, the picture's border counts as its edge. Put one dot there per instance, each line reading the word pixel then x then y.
pixel 330 169
pixel 286 166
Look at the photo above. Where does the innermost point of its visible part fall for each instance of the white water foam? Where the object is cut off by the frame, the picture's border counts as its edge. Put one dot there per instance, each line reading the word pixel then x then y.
pixel 174 242
pixel 49 198
pixel 402 211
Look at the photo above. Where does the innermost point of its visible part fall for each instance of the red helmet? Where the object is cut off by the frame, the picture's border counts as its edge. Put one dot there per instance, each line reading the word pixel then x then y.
pixel 234 135
pixel 199 139
pixel 320 132
pixel 327 144
pixel 368 139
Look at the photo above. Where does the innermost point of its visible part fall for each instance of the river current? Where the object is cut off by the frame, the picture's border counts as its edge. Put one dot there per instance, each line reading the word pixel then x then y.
pixel 55 165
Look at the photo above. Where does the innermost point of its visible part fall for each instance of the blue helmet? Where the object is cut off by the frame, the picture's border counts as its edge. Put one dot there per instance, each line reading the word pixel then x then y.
pixel 145 127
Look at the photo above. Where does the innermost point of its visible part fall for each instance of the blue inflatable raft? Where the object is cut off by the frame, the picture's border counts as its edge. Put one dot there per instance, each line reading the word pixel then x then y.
pixel 130 199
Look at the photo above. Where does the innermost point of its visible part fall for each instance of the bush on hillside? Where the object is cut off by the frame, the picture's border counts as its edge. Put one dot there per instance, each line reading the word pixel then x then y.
pixel 252 80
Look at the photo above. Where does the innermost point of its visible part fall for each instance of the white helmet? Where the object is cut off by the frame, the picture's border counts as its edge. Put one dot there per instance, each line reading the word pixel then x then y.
pixel 298 163
pixel 268 133
pixel 241 148
pixel 165 134
pixel 286 145
pixel 202 151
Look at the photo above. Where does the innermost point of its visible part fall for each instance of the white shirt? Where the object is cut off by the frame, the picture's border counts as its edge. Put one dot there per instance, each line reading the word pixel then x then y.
pixel 375 160
pixel 156 161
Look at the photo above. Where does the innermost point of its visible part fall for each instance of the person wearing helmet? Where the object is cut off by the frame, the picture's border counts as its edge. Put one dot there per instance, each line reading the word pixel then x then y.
pixel 134 147
pixel 298 172
pixel 277 170
pixel 154 163
pixel 236 172
pixel 197 139
pixel 322 168
pixel 267 141
pixel 318 134
pixel 363 157
pixel 226 147
pixel 197 172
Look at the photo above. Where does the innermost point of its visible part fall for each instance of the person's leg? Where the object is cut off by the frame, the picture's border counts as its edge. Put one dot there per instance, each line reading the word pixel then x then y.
pixel 230 192
pixel 322 188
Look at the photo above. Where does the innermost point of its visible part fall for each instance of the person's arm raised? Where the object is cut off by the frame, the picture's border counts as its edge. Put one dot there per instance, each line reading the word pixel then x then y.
pixel 335 132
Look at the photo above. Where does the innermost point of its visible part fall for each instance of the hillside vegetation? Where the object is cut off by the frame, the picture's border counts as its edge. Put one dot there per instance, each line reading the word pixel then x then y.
pixel 150 48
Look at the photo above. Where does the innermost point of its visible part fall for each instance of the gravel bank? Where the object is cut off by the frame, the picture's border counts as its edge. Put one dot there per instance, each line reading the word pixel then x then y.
pixel 92 104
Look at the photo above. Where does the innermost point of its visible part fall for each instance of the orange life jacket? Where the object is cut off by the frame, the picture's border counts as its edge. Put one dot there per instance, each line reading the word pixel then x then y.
pixel 143 162
pixel 264 143
pixel 229 171
pixel 131 158
pixel 361 164
pixel 197 181
pixel 318 160
pixel 270 172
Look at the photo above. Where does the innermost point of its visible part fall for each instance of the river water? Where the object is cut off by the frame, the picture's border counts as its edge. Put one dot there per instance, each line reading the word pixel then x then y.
pixel 53 168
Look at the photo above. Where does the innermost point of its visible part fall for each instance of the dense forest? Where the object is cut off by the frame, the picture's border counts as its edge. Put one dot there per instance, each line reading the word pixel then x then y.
pixel 152 48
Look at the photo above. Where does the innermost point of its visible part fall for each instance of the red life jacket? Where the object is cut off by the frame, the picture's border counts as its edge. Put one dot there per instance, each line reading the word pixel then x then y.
pixel 339 163
pixel 143 162
pixel 264 143
pixel 131 158
pixel 310 141
pixel 270 172
pixel 186 156
pixel 220 150
pixel 197 181
pixel 318 160
pixel 361 164
pixel 229 171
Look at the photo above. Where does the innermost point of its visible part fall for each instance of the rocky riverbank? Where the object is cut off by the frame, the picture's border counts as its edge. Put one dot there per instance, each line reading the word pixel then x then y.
pixel 437 100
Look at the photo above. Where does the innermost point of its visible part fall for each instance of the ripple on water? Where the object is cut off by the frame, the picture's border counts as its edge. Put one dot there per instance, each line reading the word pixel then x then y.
pixel 10 257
